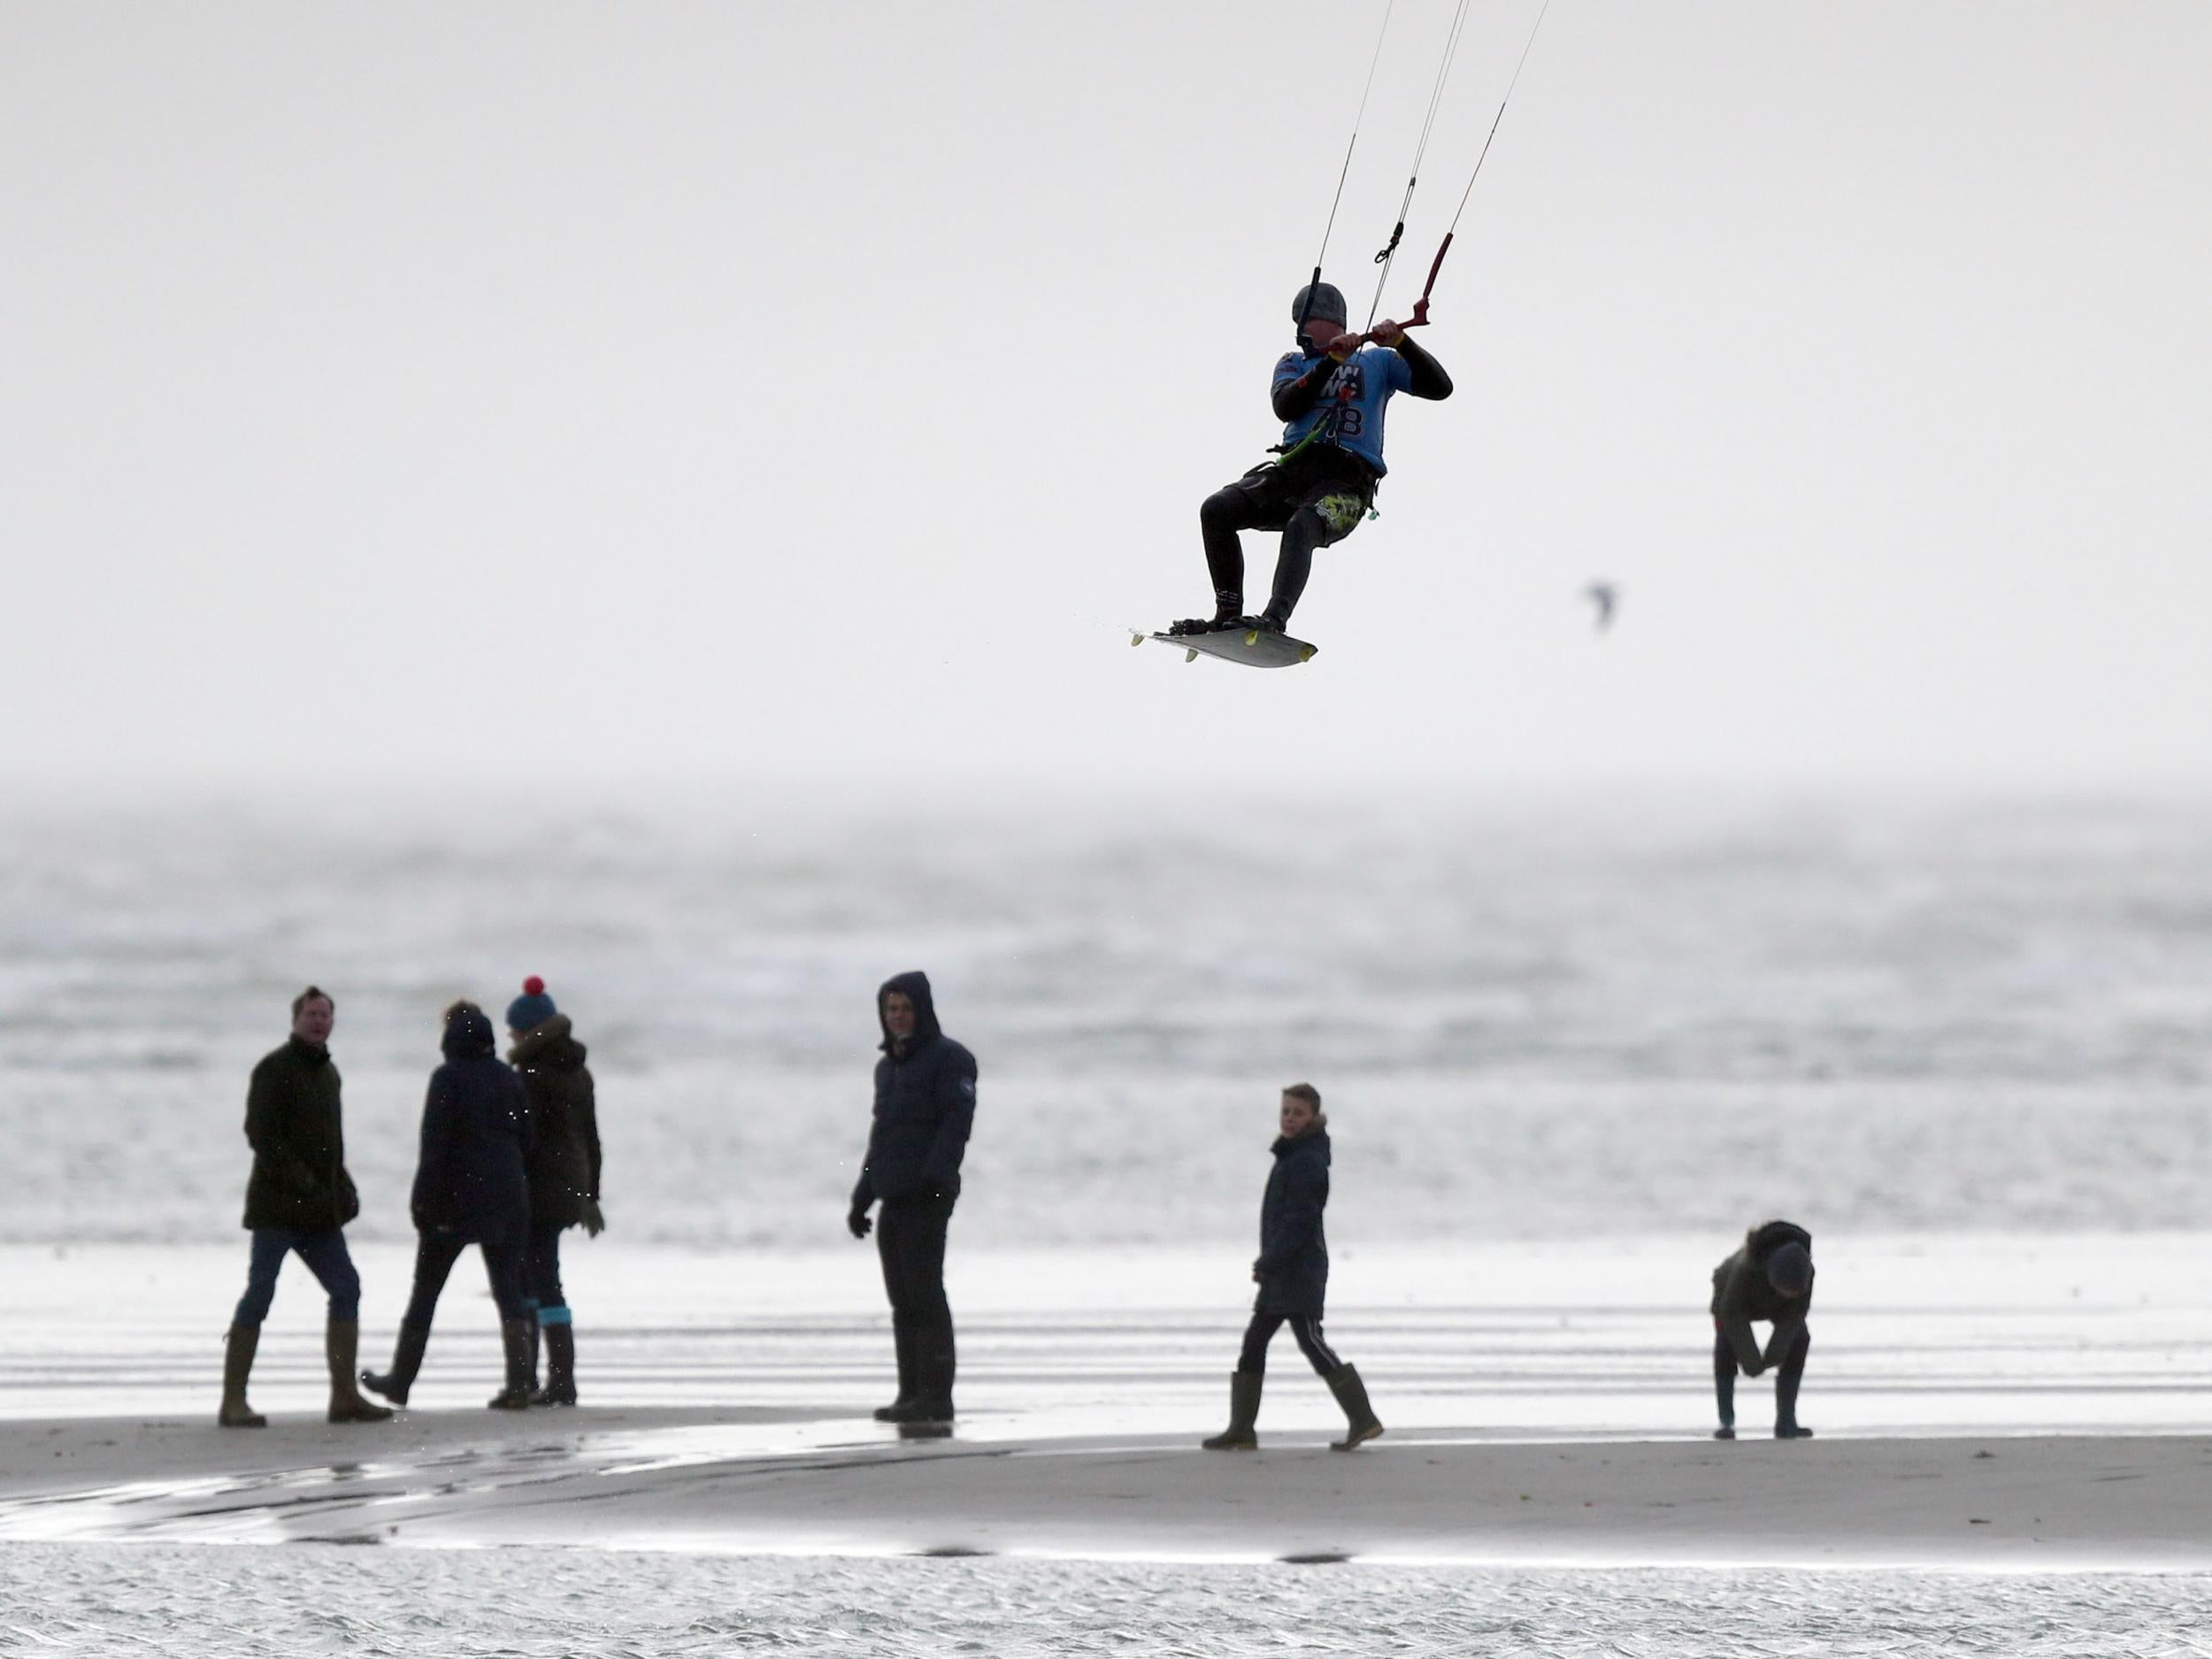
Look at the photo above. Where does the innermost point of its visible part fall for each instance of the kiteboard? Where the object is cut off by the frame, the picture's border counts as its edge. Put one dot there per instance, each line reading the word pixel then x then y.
pixel 1255 648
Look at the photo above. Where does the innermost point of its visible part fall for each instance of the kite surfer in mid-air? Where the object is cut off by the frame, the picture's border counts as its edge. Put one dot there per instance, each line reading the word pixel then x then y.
pixel 1330 393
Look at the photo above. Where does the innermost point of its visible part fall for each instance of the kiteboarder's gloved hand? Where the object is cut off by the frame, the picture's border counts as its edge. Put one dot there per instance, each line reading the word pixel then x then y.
pixel 1387 333
pixel 857 1222
pixel 1343 347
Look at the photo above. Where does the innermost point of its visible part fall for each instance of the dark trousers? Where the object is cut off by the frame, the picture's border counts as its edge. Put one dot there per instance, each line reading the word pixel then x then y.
pixel 1305 1326
pixel 542 1275
pixel 435 1254
pixel 326 1257
pixel 1786 1376
pixel 1316 498
pixel 911 1245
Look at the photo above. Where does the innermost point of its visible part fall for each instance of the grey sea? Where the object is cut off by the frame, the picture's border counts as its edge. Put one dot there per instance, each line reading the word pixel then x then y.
pixel 1569 1047
pixel 1614 1017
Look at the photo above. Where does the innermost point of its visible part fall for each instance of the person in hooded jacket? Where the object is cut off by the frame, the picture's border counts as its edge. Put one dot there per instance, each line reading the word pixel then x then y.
pixel 925 1108
pixel 470 1189
pixel 1769 1280
pixel 1292 1272
pixel 298 1200
pixel 563 1166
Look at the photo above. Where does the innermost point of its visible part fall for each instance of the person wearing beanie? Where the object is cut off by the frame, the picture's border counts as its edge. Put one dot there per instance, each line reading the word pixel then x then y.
pixel 298 1200
pixel 925 1109
pixel 1769 1281
pixel 1329 394
pixel 470 1189
pixel 1293 1273
pixel 564 1171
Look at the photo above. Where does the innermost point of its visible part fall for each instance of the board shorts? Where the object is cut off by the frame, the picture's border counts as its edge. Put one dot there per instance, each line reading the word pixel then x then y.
pixel 1337 487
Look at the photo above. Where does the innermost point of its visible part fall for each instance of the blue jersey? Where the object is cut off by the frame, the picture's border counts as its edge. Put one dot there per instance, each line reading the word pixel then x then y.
pixel 1351 406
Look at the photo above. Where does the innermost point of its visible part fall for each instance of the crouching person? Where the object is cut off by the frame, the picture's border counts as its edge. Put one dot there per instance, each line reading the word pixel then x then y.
pixel 470 1189
pixel 298 1200
pixel 1293 1274
pixel 563 1170
pixel 1769 1281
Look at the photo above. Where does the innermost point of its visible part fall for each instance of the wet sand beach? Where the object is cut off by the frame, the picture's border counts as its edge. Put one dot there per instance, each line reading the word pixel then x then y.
pixel 1544 1403
pixel 762 1482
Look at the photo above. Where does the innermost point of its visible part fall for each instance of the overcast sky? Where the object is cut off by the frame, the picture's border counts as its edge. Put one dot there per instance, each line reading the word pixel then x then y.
pixel 820 390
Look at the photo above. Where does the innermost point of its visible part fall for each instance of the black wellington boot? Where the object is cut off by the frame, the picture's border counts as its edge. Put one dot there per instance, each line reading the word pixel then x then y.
pixel 901 1409
pixel 514 1339
pixel 1724 1395
pixel 1786 1426
pixel 935 1360
pixel 560 1367
pixel 1244 1411
pixel 342 1341
pixel 238 1352
pixel 1351 1394
pixel 406 1361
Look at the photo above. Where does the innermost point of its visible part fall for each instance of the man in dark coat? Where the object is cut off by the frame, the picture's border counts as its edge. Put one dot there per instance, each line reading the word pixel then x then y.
pixel 1292 1272
pixel 1769 1280
pixel 298 1200
pixel 925 1108
pixel 470 1189
pixel 563 1170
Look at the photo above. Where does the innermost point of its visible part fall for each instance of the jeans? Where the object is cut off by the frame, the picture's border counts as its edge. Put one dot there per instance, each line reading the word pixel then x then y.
pixel 326 1257
pixel 542 1275
pixel 435 1254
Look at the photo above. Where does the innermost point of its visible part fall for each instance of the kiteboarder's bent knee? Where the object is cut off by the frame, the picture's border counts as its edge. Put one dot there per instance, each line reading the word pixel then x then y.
pixel 1228 509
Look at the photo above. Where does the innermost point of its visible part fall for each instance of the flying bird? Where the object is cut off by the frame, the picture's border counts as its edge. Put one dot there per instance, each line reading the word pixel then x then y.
pixel 1605 597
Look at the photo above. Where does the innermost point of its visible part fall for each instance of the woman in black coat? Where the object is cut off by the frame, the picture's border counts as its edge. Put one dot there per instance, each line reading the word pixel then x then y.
pixel 563 1170
pixel 1293 1274
pixel 470 1189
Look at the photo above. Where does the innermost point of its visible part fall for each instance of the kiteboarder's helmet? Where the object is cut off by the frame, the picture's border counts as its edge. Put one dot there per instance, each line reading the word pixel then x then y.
pixel 1319 303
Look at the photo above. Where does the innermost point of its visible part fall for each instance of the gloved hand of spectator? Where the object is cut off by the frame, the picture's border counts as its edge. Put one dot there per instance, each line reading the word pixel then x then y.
pixel 856 1222
pixel 594 1223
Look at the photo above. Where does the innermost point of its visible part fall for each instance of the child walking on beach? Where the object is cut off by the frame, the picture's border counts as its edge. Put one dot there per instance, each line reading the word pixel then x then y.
pixel 1293 1274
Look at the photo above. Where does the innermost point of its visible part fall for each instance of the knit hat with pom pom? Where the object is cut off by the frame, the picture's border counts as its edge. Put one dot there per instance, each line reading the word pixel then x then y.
pixel 532 1008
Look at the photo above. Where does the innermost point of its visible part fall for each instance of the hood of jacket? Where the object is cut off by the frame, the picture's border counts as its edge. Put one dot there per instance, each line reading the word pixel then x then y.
pixel 1765 1239
pixel 915 987
pixel 548 1044
pixel 468 1033
pixel 1316 1138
